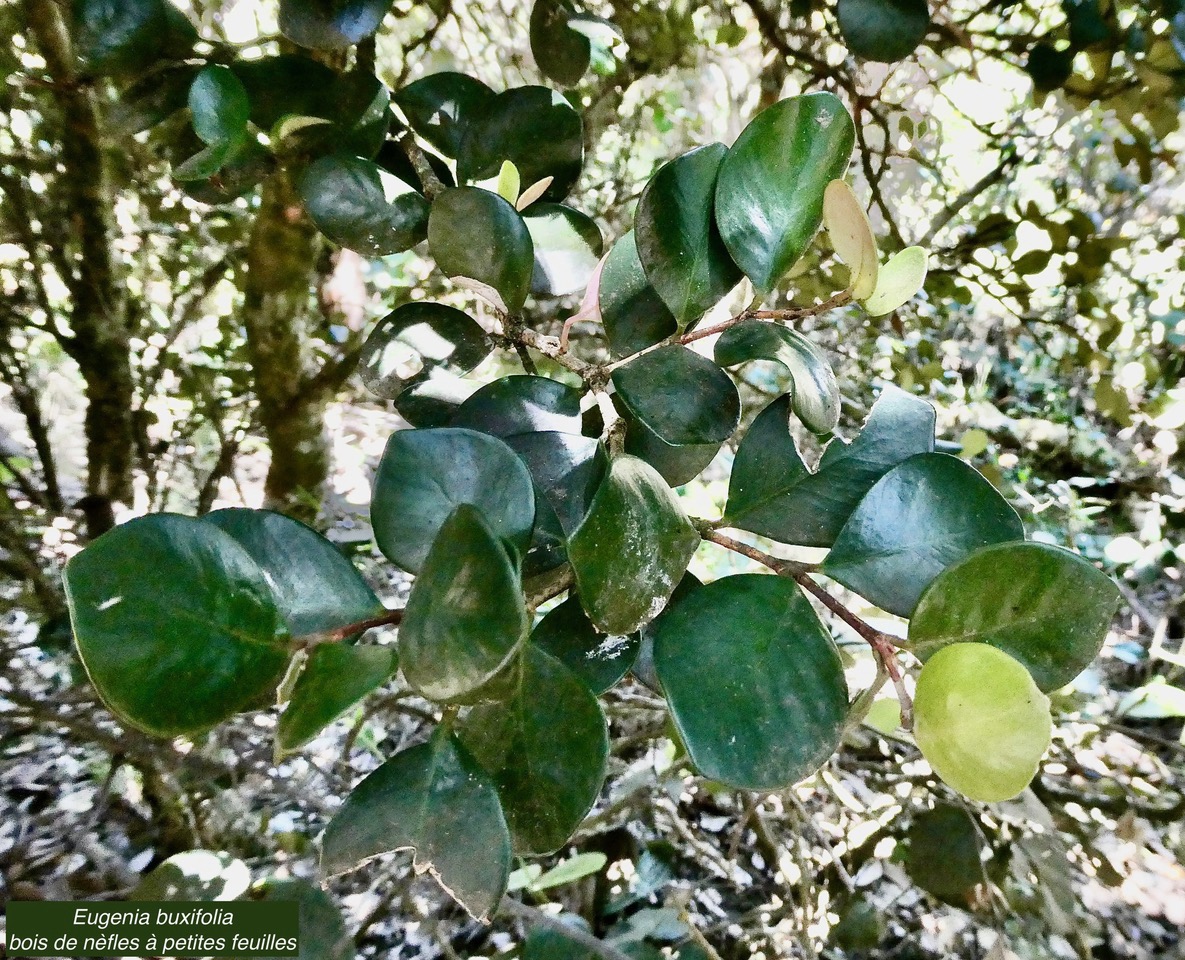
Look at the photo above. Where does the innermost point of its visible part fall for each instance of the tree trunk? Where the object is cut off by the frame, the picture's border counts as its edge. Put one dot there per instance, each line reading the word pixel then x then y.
pixel 98 314
pixel 278 313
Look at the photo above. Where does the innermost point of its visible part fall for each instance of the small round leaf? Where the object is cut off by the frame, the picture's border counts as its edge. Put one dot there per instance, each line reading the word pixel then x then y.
pixel 331 24
pixel 883 30
pixel 851 235
pixel 481 242
pixel 680 395
pixel 754 682
pixel 598 659
pixel 425 474
pixel 439 106
pixel 899 279
pixel 561 53
pixel 175 624
pixel 1044 606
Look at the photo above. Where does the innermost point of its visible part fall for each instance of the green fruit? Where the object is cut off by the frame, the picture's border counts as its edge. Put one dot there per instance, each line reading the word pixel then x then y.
pixel 980 721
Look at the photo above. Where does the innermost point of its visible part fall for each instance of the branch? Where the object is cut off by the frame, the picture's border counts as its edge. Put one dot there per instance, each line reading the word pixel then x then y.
pixel 883 645
pixel 534 915
pixel 390 618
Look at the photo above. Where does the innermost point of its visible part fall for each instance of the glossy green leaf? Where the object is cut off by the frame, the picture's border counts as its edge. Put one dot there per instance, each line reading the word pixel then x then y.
pixel 509 182
pixel 568 246
pixel 432 402
pixel 185 646
pixel 314 585
pixel 546 746
pixel 358 205
pixel 769 198
pixel 335 678
pixel 598 659
pixel 1049 67
pixel 126 36
pixel 631 309
pixel 883 30
pixel 435 800
pixel 1042 605
pixel 323 931
pixel 218 103
pixel 643 668
pixel 535 128
pixel 481 242
pixel 631 549
pixel 439 106
pixel 943 855
pixel 194 875
pixel 680 395
pixel 561 53
pixel 521 404
pixel 465 617
pixel 900 279
pixel 417 341
pixel 241 166
pixel 677 464
pixel 288 91
pixel 925 514
pixel 753 681
pixel 679 246
pixel 331 24
pixel 772 493
pixel 851 235
pixel 425 474
pixel 567 470
pixel 814 394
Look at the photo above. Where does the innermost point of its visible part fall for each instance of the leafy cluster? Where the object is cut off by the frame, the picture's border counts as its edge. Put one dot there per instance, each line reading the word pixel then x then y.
pixel 507 496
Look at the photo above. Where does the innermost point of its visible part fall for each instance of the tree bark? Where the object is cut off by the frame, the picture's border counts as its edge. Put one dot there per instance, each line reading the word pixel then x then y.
pixel 278 315
pixel 99 316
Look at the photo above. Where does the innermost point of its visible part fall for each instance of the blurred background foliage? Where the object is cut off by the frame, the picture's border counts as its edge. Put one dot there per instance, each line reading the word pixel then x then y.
pixel 180 346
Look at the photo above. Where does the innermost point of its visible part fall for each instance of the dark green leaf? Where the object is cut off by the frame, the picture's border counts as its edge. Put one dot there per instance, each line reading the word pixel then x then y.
pixel 314 586
pixel 1042 605
pixel 568 246
pixel 676 464
pixel 358 205
pixel 813 391
pixel 465 617
pixel 681 396
pixel 432 402
pixel 194 875
pixel 331 24
pixel 435 800
pixel 440 105
pixel 769 196
pixel 125 36
pixel 546 746
pixel 567 470
pixel 534 128
pixel 481 242
pixel 632 548
pixel 943 855
pixel 772 493
pixel 418 341
pixel 290 87
pixel 633 313
pixel 336 677
pixel 598 659
pixel 753 681
pixel 521 404
pixel 678 244
pixel 218 102
pixel 323 931
pixel 425 474
pixel 922 516
pixel 241 166
pixel 561 53
pixel 883 30
pixel 1088 26
pixel 643 667
pixel 175 623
